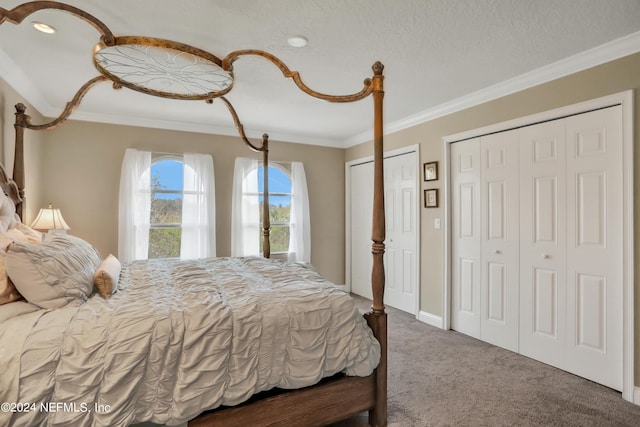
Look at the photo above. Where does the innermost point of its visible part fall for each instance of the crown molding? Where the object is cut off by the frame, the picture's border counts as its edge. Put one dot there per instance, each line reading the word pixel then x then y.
pixel 590 58
pixel 146 122
pixel 613 50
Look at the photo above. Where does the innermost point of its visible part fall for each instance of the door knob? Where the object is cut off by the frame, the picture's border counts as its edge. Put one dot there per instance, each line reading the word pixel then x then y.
pixel 495 251
pixel 545 256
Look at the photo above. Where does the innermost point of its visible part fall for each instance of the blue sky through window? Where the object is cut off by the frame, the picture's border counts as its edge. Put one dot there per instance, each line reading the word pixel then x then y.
pixel 170 176
pixel 279 182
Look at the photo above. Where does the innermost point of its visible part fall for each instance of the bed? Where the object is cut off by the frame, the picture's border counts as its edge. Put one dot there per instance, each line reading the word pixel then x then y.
pixel 185 340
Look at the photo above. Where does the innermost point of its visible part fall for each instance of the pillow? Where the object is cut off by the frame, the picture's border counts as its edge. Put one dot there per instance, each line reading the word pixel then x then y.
pixel 8 292
pixel 55 272
pixel 7 212
pixel 34 236
pixel 107 276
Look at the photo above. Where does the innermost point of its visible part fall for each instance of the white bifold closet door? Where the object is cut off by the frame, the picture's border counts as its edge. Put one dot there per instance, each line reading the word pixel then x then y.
pixel 537 242
pixel 595 246
pixel 485 251
pixel 466 237
pixel 571 244
pixel 499 289
pixel 543 242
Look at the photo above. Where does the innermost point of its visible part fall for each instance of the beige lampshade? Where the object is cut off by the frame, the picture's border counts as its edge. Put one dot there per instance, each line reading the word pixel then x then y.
pixel 49 218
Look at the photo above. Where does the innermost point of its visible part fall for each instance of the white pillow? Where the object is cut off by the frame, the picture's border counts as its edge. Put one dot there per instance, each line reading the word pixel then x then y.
pixel 8 292
pixel 55 272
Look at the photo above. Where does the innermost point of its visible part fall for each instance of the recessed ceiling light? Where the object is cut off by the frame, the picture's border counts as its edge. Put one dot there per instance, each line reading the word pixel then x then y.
pixel 42 27
pixel 298 41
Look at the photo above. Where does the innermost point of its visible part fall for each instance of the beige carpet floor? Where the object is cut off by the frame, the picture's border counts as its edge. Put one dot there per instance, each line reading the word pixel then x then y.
pixel 444 378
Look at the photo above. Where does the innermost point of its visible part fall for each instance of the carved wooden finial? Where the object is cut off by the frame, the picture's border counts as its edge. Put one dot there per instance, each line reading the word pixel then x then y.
pixel 378 68
pixel 22 119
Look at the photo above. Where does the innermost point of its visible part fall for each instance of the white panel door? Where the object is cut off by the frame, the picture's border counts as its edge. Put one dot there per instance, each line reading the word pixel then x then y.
pixel 361 202
pixel 594 239
pixel 400 186
pixel 566 188
pixel 466 243
pixel 543 242
pixel 499 290
pixel 401 243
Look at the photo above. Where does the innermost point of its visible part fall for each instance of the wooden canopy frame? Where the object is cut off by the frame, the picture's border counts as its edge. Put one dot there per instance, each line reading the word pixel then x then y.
pixel 331 400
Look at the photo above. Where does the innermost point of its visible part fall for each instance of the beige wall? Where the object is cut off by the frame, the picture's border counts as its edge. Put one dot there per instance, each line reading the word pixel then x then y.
pixel 77 168
pixel 613 77
pixel 82 163
pixel 32 149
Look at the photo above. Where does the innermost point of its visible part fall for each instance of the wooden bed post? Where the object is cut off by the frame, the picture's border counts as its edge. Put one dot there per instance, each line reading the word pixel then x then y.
pixel 18 155
pixel 266 221
pixel 377 319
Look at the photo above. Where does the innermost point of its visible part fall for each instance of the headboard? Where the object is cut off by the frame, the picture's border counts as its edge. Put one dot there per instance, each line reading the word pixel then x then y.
pixel 10 188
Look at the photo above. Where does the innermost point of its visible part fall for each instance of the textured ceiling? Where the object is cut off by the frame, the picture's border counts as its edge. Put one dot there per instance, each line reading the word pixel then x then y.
pixel 434 51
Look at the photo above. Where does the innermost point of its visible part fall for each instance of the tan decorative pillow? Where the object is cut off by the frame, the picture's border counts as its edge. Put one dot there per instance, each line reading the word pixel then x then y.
pixel 107 276
pixel 8 292
pixel 55 272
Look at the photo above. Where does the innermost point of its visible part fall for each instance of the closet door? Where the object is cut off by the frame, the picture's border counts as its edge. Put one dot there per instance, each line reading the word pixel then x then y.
pixel 551 242
pixel 543 210
pixel 400 187
pixel 466 237
pixel 401 254
pixel 499 291
pixel 361 218
pixel 594 239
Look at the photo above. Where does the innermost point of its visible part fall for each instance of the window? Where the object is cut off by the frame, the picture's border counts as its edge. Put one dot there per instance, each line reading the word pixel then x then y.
pixel 165 228
pixel 166 206
pixel 288 210
pixel 279 207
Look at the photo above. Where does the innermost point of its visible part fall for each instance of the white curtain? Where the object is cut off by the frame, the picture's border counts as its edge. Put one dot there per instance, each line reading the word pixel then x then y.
pixel 300 235
pixel 245 209
pixel 198 238
pixel 134 206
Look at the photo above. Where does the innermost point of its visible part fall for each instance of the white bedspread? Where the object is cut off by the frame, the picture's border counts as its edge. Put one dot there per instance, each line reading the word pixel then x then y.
pixel 16 320
pixel 189 336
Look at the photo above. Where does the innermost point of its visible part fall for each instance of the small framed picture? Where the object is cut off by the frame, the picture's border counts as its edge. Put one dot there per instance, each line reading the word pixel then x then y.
pixel 431 171
pixel 431 198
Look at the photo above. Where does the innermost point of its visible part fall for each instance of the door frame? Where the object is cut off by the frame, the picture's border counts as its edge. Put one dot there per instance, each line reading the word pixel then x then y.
pixel 625 100
pixel 347 175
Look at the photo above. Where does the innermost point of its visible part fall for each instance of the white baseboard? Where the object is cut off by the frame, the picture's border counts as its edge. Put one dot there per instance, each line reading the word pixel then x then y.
pixel 430 319
pixel 636 395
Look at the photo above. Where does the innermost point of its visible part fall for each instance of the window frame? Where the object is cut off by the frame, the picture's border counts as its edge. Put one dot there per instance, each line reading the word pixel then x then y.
pixel 287 173
pixel 157 158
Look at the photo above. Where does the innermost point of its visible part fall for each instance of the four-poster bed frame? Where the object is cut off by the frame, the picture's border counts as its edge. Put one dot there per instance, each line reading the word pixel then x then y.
pixel 333 399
